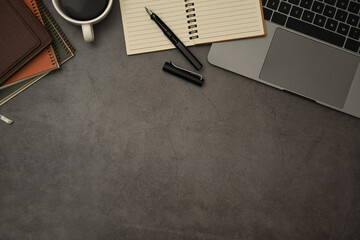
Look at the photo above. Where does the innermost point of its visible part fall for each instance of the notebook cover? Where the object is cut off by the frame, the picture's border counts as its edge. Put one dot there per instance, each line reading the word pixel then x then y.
pixel 63 49
pixel 15 46
pixel 20 13
pixel 43 62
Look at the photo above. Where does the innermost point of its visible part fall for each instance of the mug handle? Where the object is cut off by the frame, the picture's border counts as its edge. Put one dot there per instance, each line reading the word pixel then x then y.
pixel 88 32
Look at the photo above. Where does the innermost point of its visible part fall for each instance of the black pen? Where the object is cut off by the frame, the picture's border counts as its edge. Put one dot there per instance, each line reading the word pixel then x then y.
pixel 174 39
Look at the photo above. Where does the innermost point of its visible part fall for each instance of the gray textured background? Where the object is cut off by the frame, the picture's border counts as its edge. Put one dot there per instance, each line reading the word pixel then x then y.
pixel 111 147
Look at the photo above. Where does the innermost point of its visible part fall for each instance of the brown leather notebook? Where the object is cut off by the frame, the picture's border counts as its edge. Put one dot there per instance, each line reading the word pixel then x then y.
pixel 22 37
pixel 43 62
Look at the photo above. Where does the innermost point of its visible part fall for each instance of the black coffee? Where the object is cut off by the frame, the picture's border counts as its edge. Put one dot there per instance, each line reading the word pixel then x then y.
pixel 83 10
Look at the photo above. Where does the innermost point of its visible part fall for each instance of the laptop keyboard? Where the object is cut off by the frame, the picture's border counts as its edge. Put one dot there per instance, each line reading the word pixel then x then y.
pixel 334 21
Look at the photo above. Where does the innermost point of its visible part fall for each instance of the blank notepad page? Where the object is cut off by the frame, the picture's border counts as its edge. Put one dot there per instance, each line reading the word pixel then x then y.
pixel 142 34
pixel 227 19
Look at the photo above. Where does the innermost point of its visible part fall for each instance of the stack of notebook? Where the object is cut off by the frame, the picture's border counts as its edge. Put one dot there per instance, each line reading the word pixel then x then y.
pixel 31 45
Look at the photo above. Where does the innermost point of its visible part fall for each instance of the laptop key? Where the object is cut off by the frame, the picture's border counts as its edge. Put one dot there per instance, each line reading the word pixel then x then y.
pixel 296 12
pixel 354 33
pixel 273 4
pixel 318 7
pixel 343 29
pixel 267 13
pixel 352 45
pixel 331 24
pixel 354 7
pixel 319 20
pixel 315 31
pixel 329 11
pixel 308 16
pixel 353 19
pixel 284 7
pixel 342 4
pixel 279 18
pixel 306 3
pixel 341 15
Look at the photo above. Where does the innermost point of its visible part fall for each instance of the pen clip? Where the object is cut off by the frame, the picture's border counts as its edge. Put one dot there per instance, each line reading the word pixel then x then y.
pixel 183 69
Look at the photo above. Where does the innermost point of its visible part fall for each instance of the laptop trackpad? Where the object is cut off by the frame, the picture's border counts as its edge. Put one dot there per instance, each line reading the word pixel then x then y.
pixel 309 68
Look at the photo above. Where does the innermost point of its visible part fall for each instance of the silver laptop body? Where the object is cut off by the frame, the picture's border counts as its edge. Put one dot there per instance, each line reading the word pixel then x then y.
pixel 289 60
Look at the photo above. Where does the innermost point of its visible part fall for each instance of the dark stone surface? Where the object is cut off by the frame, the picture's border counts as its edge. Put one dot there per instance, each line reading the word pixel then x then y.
pixel 111 147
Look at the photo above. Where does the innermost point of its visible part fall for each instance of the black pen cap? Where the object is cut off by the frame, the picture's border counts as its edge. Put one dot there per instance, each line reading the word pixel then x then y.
pixel 183 73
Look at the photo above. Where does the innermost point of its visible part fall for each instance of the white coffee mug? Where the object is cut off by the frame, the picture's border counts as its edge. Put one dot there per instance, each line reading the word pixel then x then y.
pixel 87 26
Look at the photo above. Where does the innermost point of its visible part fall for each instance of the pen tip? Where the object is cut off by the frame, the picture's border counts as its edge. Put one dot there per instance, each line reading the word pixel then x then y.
pixel 148 11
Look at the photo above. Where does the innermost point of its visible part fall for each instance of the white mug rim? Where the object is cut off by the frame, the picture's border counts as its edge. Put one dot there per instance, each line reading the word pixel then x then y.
pixel 78 22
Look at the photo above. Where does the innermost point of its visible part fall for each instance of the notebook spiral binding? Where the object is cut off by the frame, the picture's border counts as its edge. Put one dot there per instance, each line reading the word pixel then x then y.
pixel 52 24
pixel 192 20
pixel 36 9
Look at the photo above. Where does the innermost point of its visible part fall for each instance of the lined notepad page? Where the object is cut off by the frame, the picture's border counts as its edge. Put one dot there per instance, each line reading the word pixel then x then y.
pixel 142 34
pixel 220 20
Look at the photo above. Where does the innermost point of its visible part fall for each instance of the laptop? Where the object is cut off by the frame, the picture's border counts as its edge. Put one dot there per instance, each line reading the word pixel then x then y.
pixel 312 48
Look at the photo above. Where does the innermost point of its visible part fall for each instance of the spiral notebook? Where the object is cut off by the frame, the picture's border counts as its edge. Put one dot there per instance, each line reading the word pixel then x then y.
pixel 44 62
pixel 193 21
pixel 63 49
